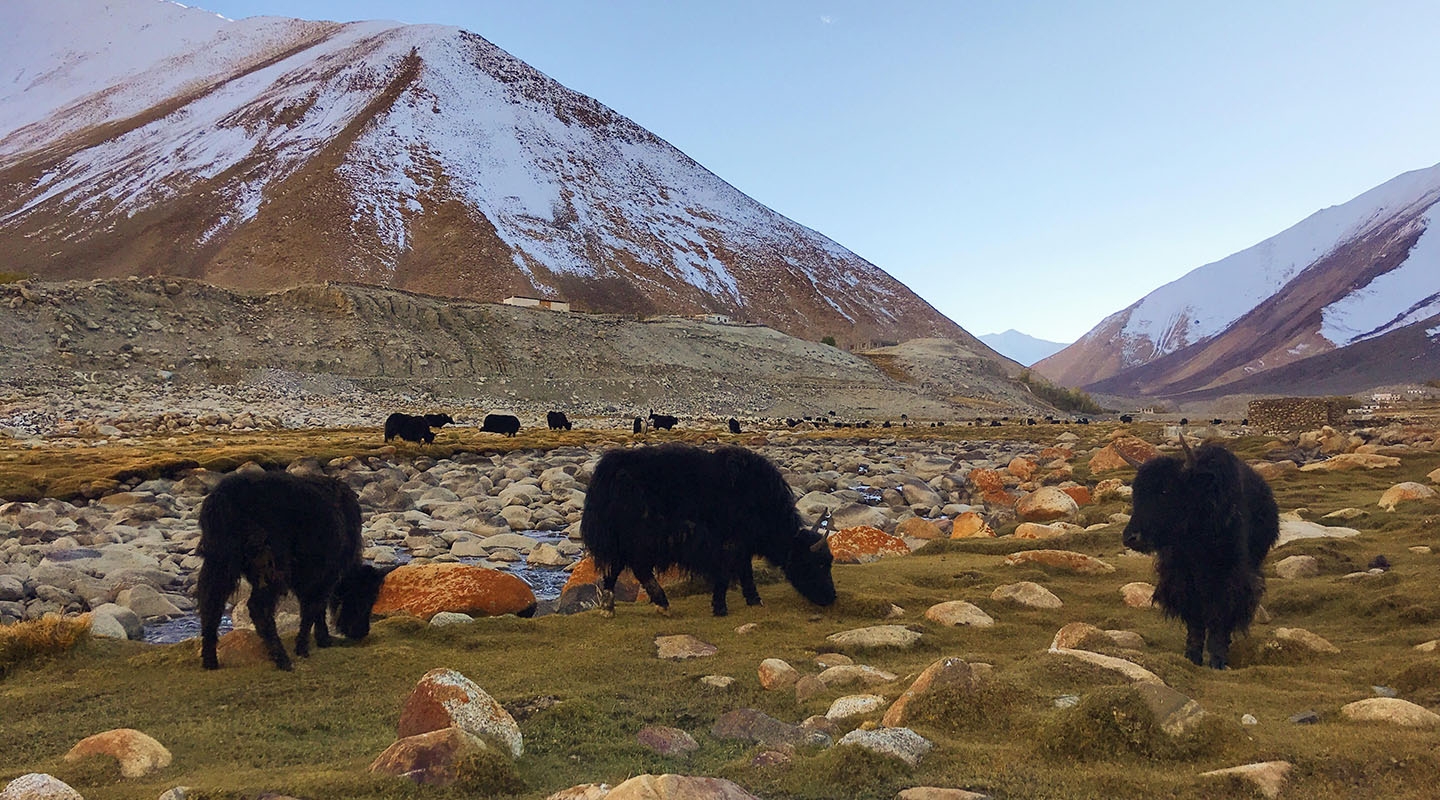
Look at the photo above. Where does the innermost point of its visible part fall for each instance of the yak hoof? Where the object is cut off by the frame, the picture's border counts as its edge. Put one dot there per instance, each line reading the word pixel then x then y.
pixel 663 611
pixel 211 665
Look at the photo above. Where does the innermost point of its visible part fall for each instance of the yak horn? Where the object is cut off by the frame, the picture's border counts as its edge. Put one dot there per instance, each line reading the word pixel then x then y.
pixel 1189 454
pixel 819 543
pixel 1129 459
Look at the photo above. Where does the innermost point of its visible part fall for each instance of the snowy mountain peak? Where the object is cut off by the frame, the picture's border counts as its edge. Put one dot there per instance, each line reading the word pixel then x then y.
pixel 1343 275
pixel 266 151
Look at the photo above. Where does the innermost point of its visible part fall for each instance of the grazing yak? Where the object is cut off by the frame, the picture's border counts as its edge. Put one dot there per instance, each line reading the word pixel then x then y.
pixel 662 421
pixel 638 426
pixel 1209 518
pixel 734 425
pixel 507 424
pixel 708 513
pixel 414 429
pixel 557 421
pixel 284 532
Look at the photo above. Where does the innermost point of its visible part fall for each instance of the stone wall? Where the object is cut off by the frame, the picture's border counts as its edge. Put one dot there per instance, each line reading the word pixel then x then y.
pixel 1289 414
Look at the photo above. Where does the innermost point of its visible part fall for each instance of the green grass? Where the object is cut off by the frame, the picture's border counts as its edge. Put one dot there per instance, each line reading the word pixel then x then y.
pixel 588 684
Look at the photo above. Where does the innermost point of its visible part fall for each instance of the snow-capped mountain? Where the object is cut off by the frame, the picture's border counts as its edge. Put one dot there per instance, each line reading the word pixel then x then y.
pixel 1353 273
pixel 145 137
pixel 1021 347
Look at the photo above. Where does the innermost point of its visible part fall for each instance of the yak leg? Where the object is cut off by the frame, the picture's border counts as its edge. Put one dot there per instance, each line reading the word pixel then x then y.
pixel 214 586
pixel 652 588
pixel 262 614
pixel 746 574
pixel 1218 642
pixel 1194 641
pixel 607 593
pixel 717 596
pixel 312 615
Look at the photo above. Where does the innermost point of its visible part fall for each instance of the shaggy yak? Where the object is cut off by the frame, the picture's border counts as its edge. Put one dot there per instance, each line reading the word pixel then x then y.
pixel 415 429
pixel 638 426
pixel 501 423
pixel 709 513
pixel 1209 519
pixel 734 425
pixel 557 420
pixel 284 532
pixel 662 421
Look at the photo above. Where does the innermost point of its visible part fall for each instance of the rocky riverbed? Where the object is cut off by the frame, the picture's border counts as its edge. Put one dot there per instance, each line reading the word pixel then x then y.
pixel 131 554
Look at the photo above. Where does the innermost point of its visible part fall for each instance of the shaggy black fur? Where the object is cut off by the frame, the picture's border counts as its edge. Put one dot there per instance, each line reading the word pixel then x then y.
pixel 284 532
pixel 639 425
pixel 709 513
pixel 501 423
pixel 734 425
pixel 662 421
pixel 414 429
pixel 557 420
pixel 1209 519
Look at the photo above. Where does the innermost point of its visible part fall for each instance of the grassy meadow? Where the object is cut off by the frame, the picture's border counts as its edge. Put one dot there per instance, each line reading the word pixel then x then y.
pixel 581 686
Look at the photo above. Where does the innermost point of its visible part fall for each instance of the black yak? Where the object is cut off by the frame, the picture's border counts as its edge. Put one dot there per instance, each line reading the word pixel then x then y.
pixel 662 421
pixel 412 428
pixel 638 426
pixel 501 423
pixel 439 420
pixel 709 513
pixel 557 420
pixel 1209 518
pixel 284 532
pixel 734 425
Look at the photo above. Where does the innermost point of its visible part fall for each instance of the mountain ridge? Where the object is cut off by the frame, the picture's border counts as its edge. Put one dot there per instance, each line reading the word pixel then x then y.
pixel 418 157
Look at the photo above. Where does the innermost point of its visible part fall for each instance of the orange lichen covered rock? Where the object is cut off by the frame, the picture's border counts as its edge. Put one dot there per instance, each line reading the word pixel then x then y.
pixel 970 525
pixel 918 528
pixel 863 544
pixel 1021 467
pixel 427 589
pixel 444 698
pixel 990 487
pixel 1062 559
pixel 1110 456
pixel 1080 494
pixel 627 589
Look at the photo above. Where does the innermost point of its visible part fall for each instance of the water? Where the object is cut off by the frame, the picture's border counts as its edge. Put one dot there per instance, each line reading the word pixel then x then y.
pixel 545 582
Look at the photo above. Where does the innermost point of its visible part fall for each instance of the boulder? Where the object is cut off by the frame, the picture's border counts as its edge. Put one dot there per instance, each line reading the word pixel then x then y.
pixel 1045 504
pixel 988 486
pixel 901 743
pixel 1392 710
pixel 847 674
pixel 970 525
pixel 1176 713
pixel 1021 467
pixel 946 674
pixel 1268 776
pixel 138 754
pixel 1128 669
pixel 1027 594
pixel 678 787
pixel 1036 530
pixel 444 698
pixel 431 758
pixel 1294 567
pixel 1109 457
pixel 917 528
pixel 864 544
pixel 777 674
pixel 1060 559
pixel 854 705
pixel 858 515
pixel 667 741
pixel 938 793
pixel 425 589
pixel 958 612
pixel 127 619
pixel 1291 530
pixel 38 786
pixel 875 636
pixel 1402 492
pixel 1350 461
pixel 748 724
pixel 1138 594
pixel 682 646
pixel 1305 639
pixel 1074 634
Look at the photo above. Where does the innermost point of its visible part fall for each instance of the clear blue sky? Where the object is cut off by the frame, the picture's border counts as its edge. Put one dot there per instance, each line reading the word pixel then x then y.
pixel 1035 166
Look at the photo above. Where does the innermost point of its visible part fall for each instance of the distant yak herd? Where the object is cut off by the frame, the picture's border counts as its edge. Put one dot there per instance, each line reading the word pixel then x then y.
pixel 1208 518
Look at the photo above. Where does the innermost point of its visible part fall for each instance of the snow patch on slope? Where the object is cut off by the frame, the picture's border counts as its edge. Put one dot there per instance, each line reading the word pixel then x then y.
pixel 1388 302
pixel 1209 299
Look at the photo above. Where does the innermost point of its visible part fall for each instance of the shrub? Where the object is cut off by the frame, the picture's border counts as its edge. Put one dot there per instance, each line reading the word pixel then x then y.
pixel 830 340
pixel 26 641
pixel 1059 396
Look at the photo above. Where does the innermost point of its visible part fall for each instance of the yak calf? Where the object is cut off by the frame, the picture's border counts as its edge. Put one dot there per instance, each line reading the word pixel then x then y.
pixel 284 532
pixel 1209 518
pixel 708 513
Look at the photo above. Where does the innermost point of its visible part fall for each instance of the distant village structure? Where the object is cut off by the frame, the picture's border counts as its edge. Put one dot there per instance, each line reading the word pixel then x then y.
pixel 536 302
pixel 1289 414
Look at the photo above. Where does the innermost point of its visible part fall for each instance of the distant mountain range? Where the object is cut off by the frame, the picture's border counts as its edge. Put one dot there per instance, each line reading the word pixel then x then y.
pixel 1021 347
pixel 143 137
pixel 1345 300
